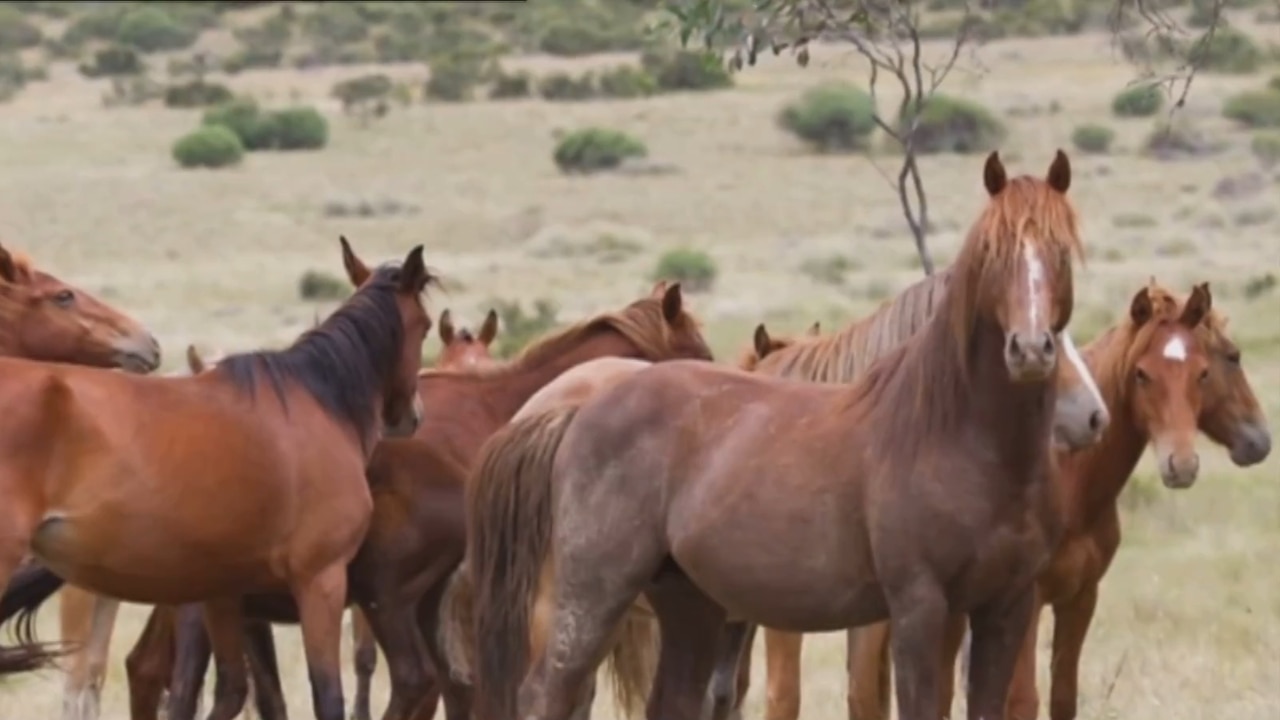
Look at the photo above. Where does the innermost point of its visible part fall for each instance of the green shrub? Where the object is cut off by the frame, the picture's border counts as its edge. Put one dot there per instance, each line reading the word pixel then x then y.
pixel 1254 108
pixel 212 146
pixel 1226 51
pixel 453 78
pixel 365 95
pixel 331 24
pixel 948 124
pixel 833 117
pixel 317 285
pixel 694 269
pixel 519 327
pixel 560 86
pixel 627 81
pixel 1094 139
pixel 16 31
pixel 574 39
pixel 1138 101
pixel 507 86
pixel 114 61
pixel 98 23
pixel 300 128
pixel 593 149
pixel 257 130
pixel 150 28
pixel 1265 146
pixel 686 70
pixel 196 93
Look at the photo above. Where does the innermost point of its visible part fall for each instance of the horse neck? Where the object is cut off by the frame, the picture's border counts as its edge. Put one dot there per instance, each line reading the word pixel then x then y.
pixel 1095 477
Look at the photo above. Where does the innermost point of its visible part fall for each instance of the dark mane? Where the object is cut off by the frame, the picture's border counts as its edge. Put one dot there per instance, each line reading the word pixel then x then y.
pixel 343 363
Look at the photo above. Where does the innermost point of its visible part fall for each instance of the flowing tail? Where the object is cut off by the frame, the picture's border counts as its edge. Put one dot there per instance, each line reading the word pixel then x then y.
pixel 509 527
pixel 28 588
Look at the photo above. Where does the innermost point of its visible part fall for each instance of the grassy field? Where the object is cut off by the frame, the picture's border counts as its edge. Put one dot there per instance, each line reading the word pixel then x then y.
pixel 1189 624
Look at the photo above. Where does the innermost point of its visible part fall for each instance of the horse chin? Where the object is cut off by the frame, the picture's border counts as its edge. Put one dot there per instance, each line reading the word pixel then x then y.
pixel 1252 446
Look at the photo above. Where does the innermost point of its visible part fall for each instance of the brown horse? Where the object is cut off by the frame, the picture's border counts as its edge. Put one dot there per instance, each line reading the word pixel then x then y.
pixel 919 490
pixel 1169 371
pixel 416 536
pixel 270 491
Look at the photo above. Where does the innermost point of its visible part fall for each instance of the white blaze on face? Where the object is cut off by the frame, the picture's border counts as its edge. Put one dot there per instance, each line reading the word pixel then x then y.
pixel 1073 356
pixel 1035 278
pixel 1175 349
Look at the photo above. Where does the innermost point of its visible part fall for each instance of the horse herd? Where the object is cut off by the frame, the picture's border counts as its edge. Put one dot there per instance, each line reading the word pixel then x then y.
pixel 944 468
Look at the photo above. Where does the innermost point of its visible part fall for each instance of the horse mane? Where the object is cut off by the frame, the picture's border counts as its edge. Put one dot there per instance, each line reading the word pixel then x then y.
pixel 641 323
pixel 844 356
pixel 343 362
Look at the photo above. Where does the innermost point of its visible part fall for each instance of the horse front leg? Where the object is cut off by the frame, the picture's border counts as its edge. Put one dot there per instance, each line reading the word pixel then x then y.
pixel 149 664
pixel 192 650
pixel 999 634
pixel 868 666
pixel 732 673
pixel 1070 626
pixel 957 626
pixel 1024 699
pixel 366 662
pixel 264 668
pixel 918 618
pixel 224 621
pixel 782 674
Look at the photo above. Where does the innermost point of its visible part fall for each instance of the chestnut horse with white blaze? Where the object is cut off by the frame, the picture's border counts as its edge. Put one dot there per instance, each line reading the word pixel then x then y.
pixel 920 490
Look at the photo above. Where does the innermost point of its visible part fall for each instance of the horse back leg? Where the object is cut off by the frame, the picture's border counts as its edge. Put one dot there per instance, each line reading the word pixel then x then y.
pixel 224 621
pixel 321 600
pixel 868 665
pixel 690 625
pixel 149 664
pixel 732 673
pixel 264 668
pixel 87 621
pixel 957 626
pixel 365 661
pixel 456 695
pixel 413 689
pixel 782 674
pixel 191 653
pixel 1070 626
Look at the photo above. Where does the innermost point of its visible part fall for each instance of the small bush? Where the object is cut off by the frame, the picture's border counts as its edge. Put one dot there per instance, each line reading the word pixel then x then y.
pixel 627 81
pixel 16 31
pixel 211 146
pixel 1094 139
pixel 574 39
pixel 196 93
pixel 1227 51
pixel 151 28
pixel 316 285
pixel 519 327
pixel 686 70
pixel 948 124
pixel 453 78
pixel 1265 146
pixel 257 130
pixel 560 86
pixel 1255 108
pixel 833 117
pixel 357 93
pixel 114 61
pixel 593 149
pixel 694 269
pixel 508 86
pixel 300 128
pixel 1138 101
pixel 334 24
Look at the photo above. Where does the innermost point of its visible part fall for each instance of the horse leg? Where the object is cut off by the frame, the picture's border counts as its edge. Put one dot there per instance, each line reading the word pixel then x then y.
pixel 1070 626
pixel 149 664
pixel 957 626
pixel 918 618
pixel 191 652
pixel 457 696
pixel 732 673
pixel 1024 699
pixel 782 674
pixel 321 601
pixel 999 633
pixel 264 668
pixel 691 625
pixel 97 654
pixel 413 690
pixel 224 621
pixel 366 662
pixel 868 666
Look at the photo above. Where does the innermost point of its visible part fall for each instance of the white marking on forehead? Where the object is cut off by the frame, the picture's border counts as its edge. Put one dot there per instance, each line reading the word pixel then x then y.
pixel 1073 356
pixel 1175 349
pixel 1035 277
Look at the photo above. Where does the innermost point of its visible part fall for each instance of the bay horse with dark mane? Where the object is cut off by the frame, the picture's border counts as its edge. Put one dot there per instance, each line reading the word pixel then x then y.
pixel 1169 372
pixel 416 537
pixel 920 490
pixel 254 481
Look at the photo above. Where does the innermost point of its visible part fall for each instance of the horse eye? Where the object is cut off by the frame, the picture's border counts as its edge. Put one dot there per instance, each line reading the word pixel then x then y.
pixel 64 298
pixel 1234 358
pixel 1142 376
pixel 1204 375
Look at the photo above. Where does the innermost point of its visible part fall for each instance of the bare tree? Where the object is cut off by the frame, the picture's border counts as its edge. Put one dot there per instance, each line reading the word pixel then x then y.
pixel 887 33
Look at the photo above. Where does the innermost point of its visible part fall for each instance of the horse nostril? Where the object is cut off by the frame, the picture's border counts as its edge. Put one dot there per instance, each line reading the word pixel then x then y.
pixel 1014 349
pixel 1095 420
pixel 1049 345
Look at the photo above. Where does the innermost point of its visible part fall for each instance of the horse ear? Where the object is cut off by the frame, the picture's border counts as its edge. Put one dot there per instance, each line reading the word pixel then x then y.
pixel 194 362
pixel 816 328
pixel 413 273
pixel 672 302
pixel 659 289
pixel 761 341
pixel 1059 177
pixel 8 268
pixel 1197 307
pixel 993 174
pixel 446 327
pixel 1140 309
pixel 357 272
pixel 489 330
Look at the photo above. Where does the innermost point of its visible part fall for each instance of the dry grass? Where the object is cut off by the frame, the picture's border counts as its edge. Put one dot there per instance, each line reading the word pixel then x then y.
pixel 1188 613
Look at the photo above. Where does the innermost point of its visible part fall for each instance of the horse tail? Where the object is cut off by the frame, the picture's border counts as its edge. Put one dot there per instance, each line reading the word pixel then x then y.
pixel 457 621
pixel 633 661
pixel 509 529
pixel 28 589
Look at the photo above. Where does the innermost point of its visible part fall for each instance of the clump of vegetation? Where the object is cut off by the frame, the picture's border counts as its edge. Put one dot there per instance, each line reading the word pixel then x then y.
pixel 831 270
pixel 627 81
pixel 694 269
pixel 1138 101
pixel 262 46
pixel 212 146
pixel 686 70
pixel 14 76
pixel 509 86
pixel 454 77
pixel 335 24
pixel 576 36
pixel 366 96
pixel 1227 50
pixel 1093 139
pixel 1265 146
pixel 318 285
pixel 151 27
pixel 113 61
pixel 242 116
pixel 1259 286
pixel 561 86
pixel 594 149
pixel 520 328
pixel 300 128
pixel 1254 108
pixel 16 31
pixel 833 117
pixel 949 124
pixel 1169 141
pixel 196 93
